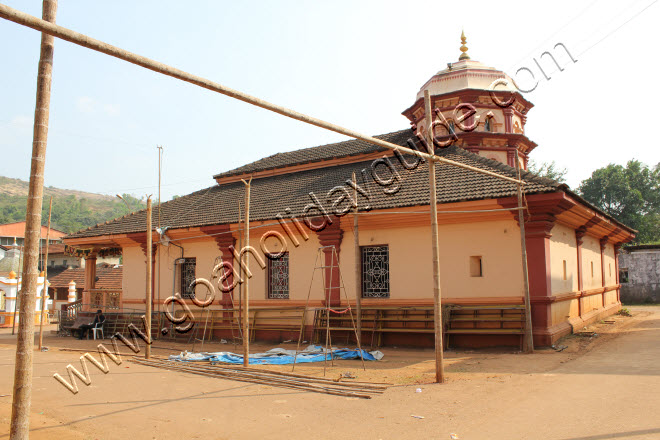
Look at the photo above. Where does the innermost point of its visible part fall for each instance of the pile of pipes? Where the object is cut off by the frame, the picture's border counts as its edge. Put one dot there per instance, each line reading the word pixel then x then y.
pixel 301 382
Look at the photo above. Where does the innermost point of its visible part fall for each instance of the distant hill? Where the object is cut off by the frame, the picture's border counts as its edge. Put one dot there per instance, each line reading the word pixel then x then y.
pixel 72 209
pixel 18 187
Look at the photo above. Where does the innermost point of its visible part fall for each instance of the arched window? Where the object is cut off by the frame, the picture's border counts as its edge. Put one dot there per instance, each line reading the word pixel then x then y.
pixel 488 124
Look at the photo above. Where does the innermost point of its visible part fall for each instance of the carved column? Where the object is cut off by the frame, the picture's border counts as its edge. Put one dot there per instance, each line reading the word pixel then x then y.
pixel 603 245
pixel 331 235
pixel 224 241
pixel 579 235
pixel 511 156
pixel 617 248
pixel 508 120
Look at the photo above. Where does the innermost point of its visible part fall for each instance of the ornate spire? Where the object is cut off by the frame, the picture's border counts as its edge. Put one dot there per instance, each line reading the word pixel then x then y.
pixel 464 48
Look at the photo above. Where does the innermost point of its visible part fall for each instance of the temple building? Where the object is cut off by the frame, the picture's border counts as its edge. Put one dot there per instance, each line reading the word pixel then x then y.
pixel 301 213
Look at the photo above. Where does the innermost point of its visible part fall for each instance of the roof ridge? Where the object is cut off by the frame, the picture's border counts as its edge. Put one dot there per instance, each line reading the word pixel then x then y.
pixel 244 169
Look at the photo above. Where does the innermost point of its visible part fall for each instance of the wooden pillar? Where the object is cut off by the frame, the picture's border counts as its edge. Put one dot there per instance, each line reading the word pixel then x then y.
pixel 331 235
pixel 90 280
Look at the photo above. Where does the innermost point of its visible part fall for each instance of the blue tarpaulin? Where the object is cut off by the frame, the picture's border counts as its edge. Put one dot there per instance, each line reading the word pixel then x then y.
pixel 279 356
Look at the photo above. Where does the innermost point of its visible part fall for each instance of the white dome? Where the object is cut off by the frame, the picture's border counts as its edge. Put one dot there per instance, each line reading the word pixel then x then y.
pixel 465 74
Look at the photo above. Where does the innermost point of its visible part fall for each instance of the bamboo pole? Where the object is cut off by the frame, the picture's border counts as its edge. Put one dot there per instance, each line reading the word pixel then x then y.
pixel 528 344
pixel 24 19
pixel 44 291
pixel 20 414
pixel 158 245
pixel 246 290
pixel 358 273
pixel 147 350
pixel 437 293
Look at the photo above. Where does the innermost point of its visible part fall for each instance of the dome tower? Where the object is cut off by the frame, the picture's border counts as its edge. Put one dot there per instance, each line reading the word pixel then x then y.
pixel 478 108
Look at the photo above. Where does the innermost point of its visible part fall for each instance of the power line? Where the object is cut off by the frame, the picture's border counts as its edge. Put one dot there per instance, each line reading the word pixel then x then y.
pixel 618 27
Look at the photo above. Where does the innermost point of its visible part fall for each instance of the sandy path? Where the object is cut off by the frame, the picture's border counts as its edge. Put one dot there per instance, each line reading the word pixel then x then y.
pixel 607 387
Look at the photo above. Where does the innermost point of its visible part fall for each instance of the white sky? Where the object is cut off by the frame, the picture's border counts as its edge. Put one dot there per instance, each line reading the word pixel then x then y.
pixel 357 64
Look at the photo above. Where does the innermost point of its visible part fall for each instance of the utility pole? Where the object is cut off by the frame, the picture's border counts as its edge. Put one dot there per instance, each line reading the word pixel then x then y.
pixel 147 351
pixel 44 291
pixel 435 245
pixel 21 399
pixel 528 345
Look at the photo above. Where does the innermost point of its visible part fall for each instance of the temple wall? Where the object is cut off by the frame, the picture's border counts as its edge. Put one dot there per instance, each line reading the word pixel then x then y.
pixel 563 250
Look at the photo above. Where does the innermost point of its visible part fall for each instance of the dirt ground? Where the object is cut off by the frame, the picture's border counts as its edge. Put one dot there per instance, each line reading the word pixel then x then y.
pixel 597 387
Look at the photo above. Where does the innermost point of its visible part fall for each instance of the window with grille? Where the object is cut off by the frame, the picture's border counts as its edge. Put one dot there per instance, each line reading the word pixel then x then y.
pixel 375 272
pixel 187 277
pixel 278 277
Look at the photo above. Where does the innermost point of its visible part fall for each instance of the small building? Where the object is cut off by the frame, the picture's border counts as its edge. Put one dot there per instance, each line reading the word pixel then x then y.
pixel 14 234
pixel 639 272
pixel 10 284
pixel 67 286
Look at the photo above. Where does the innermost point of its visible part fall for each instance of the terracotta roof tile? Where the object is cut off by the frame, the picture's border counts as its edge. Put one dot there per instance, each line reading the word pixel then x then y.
pixel 273 194
pixel 109 277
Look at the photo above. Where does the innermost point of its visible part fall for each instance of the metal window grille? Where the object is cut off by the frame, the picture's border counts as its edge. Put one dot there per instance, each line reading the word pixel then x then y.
pixel 187 277
pixel 375 272
pixel 278 277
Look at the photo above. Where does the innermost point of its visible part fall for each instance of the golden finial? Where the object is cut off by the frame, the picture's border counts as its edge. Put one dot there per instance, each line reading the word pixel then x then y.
pixel 464 48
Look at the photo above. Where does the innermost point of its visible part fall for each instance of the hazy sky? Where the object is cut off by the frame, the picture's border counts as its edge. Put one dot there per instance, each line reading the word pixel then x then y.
pixel 357 64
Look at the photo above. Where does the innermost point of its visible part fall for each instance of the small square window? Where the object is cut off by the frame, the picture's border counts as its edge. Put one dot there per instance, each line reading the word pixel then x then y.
pixel 623 275
pixel 476 267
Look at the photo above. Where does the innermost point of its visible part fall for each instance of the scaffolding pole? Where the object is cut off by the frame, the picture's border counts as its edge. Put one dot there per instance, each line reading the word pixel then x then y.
pixel 246 284
pixel 435 246
pixel 149 298
pixel 528 344
pixel 358 272
pixel 22 395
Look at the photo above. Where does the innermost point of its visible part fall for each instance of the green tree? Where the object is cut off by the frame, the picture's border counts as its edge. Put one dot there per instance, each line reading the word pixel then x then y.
pixel 631 194
pixel 548 169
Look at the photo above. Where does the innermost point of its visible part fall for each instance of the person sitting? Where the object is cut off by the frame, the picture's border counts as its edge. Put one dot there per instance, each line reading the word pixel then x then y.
pixel 98 320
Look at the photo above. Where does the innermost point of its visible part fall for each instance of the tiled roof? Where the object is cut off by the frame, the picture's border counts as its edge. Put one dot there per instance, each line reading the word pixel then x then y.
pixel 109 277
pixel 316 154
pixel 272 195
pixel 55 248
